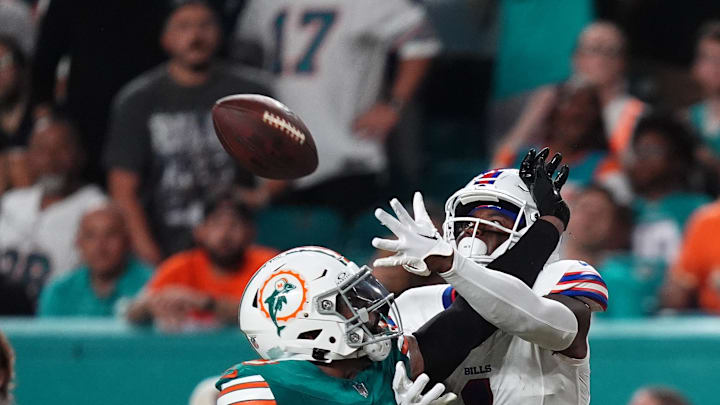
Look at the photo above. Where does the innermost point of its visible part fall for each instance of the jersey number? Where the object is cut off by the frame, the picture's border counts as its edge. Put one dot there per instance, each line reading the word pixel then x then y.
pixel 306 63
pixel 477 392
pixel 31 271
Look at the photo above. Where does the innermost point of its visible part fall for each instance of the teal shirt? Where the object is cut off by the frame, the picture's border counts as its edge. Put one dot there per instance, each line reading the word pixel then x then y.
pixel 299 382
pixel 659 225
pixel 698 116
pixel 72 294
pixel 635 284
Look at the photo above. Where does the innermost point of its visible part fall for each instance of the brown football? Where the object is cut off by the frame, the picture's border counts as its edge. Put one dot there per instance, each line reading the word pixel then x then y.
pixel 264 136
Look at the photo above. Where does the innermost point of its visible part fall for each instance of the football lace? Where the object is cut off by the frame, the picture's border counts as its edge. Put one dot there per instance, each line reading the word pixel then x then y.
pixel 279 123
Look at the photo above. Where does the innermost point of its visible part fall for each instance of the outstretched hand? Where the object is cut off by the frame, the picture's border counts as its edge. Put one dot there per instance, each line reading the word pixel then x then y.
pixel 537 174
pixel 417 238
pixel 409 392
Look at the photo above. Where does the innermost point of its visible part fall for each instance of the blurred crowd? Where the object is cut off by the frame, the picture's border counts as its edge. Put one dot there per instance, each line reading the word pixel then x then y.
pixel 116 198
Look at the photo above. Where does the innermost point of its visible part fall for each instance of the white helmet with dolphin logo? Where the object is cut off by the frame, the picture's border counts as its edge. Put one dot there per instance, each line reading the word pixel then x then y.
pixel 311 303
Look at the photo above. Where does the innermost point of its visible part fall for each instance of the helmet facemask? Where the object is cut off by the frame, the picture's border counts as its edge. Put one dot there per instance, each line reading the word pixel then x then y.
pixel 369 310
pixel 499 190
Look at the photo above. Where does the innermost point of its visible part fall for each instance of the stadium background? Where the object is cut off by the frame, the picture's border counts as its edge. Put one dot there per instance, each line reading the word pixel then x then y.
pixel 481 79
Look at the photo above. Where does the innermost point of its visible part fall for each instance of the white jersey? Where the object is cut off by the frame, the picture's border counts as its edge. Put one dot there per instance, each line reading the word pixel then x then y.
pixel 506 369
pixel 38 244
pixel 329 60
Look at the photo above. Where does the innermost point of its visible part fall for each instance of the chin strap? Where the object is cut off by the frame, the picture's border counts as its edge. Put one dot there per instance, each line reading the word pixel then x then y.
pixel 378 351
pixel 469 247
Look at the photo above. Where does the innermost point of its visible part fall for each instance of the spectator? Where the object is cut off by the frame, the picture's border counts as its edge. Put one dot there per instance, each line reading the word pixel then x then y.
pixel 329 65
pixel 107 43
pixel 574 127
pixel 695 275
pixel 109 277
pixel 15 118
pixel 705 115
pixel 658 396
pixel 203 286
pixel 7 370
pixel 13 298
pixel 593 240
pixel 162 154
pixel 659 169
pixel 599 60
pixel 39 222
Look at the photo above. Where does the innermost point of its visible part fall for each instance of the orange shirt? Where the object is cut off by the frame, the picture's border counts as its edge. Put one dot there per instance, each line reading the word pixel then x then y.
pixel 698 264
pixel 192 269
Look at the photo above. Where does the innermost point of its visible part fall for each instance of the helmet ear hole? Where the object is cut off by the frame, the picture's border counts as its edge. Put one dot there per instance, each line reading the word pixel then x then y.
pixel 536 215
pixel 310 335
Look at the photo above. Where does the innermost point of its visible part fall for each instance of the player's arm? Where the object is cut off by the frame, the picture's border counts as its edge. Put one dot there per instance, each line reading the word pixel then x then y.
pixel 508 303
pixel 382 117
pixel 505 301
pixel 245 390
pixel 414 39
pixel 581 310
pixel 437 352
pixel 124 188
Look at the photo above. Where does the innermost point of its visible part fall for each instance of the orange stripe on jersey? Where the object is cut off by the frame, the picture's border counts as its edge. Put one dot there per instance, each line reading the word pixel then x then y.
pixel 258 362
pixel 258 384
pixel 230 375
pixel 255 402
pixel 405 347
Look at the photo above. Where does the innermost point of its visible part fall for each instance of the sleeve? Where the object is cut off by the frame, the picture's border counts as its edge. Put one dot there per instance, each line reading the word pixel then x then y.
pixel 402 25
pixel 128 141
pixel 512 306
pixel 584 283
pixel 441 351
pixel 420 304
pixel 53 42
pixel 247 390
pixel 420 42
pixel 691 268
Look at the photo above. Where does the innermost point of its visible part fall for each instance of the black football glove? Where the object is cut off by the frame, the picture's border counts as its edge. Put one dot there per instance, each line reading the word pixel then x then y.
pixel 537 175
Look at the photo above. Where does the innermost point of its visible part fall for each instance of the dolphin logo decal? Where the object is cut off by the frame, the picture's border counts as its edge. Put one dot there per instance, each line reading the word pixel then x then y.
pixel 277 299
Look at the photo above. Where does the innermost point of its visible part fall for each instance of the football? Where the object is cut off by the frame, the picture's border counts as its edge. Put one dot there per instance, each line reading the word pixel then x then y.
pixel 264 136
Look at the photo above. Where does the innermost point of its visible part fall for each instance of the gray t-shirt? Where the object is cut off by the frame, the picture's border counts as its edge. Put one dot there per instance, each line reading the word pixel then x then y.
pixel 164 132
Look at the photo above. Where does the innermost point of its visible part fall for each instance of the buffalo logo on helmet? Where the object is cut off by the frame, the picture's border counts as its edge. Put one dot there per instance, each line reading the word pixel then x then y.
pixel 487 178
pixel 282 297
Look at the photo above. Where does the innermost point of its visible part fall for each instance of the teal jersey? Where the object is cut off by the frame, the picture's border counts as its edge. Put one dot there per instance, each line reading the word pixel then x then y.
pixel 698 118
pixel 72 294
pixel 659 225
pixel 299 382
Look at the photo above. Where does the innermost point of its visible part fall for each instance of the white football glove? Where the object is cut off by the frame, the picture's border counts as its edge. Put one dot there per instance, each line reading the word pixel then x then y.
pixel 408 392
pixel 416 238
